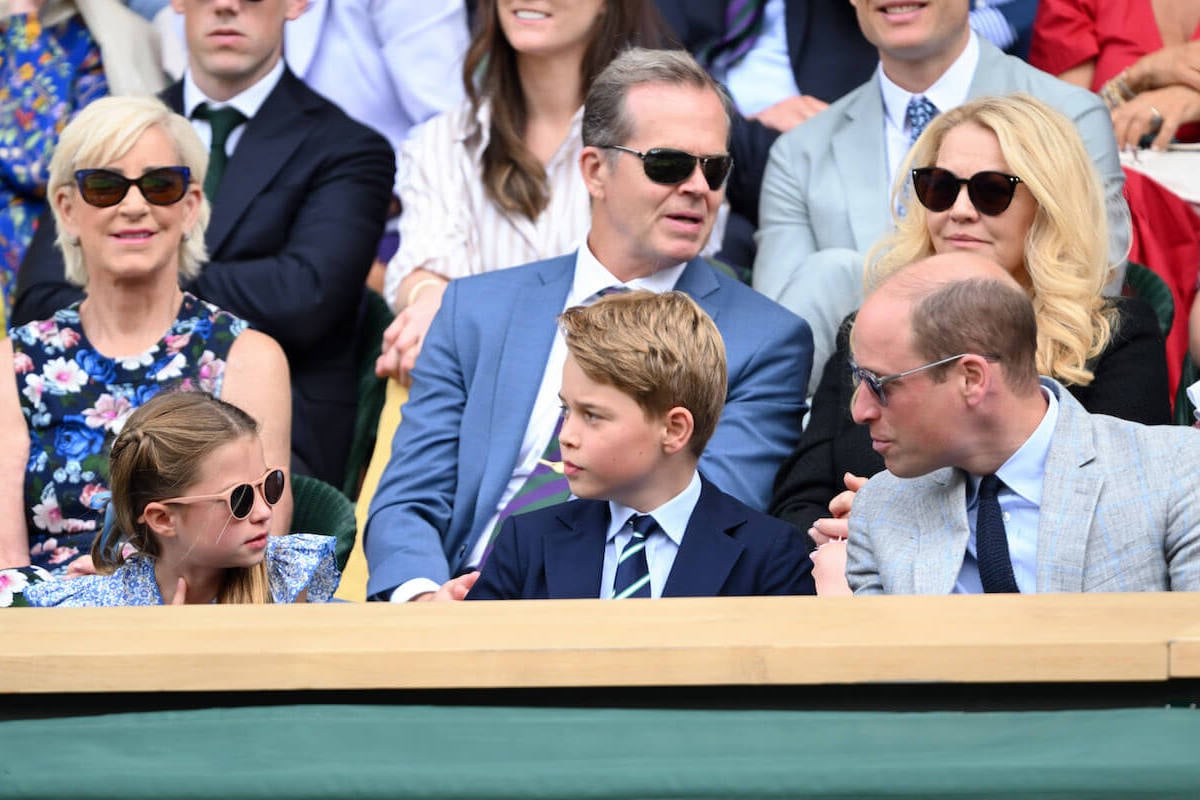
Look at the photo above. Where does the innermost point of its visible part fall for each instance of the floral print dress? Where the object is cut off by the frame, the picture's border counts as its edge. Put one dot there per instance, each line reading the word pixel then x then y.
pixel 299 562
pixel 76 400
pixel 46 75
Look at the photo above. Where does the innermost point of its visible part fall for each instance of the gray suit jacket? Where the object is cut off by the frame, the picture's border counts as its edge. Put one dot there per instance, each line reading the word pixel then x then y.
pixel 1120 513
pixel 826 195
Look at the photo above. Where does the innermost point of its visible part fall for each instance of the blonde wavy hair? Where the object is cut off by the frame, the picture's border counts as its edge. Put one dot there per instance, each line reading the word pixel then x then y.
pixel 105 131
pixel 1067 247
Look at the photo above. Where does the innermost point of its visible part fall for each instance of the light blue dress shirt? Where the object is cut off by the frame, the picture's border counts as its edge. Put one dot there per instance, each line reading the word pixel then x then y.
pixel 672 516
pixel 1020 501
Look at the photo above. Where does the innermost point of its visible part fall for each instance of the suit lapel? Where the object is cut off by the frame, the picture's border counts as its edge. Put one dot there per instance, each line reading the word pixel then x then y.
pixel 575 551
pixel 942 532
pixel 991 77
pixel 860 157
pixel 267 144
pixel 699 281
pixel 1070 493
pixel 528 339
pixel 708 553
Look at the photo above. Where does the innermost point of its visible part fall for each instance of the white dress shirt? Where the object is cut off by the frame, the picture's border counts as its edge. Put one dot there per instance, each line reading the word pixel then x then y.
pixel 248 102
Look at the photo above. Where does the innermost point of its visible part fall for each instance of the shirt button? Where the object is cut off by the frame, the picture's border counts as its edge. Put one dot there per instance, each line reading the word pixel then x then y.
pixel 1007 516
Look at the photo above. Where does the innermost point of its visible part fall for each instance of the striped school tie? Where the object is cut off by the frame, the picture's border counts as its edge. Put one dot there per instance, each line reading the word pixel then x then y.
pixel 633 572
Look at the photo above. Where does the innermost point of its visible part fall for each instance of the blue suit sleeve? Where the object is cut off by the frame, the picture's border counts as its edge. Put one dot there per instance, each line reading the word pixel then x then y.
pixel 411 509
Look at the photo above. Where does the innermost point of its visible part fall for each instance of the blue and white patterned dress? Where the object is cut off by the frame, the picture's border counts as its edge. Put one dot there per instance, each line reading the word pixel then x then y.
pixel 76 400
pixel 295 563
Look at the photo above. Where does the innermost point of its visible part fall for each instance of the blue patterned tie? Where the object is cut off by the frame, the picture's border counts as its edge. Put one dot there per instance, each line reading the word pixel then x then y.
pixel 633 572
pixel 918 114
pixel 991 541
pixel 743 23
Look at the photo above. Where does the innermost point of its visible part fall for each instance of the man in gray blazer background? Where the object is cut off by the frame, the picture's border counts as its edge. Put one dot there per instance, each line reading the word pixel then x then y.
pixel 998 480
pixel 826 195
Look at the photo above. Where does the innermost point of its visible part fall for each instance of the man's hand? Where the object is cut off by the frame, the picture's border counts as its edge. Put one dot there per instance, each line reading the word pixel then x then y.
pixel 790 112
pixel 453 589
pixel 837 527
pixel 403 338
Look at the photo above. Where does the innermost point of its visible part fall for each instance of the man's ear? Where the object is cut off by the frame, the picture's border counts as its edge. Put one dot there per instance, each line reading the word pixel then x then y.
pixel 678 426
pixel 595 166
pixel 977 375
pixel 159 520
pixel 295 8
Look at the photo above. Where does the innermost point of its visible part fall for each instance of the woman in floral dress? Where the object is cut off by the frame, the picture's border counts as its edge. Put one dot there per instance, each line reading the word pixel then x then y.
pixel 125 191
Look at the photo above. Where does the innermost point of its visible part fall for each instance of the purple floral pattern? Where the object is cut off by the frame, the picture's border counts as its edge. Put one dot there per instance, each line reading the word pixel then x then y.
pixel 76 401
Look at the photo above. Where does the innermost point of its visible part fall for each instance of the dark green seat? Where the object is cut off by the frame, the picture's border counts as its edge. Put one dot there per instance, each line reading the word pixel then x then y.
pixel 1145 284
pixel 321 508
pixel 371 392
pixel 1185 412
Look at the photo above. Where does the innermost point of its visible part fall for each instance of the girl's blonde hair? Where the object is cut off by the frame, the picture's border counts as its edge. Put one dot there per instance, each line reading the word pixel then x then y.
pixel 1067 247
pixel 105 131
pixel 158 455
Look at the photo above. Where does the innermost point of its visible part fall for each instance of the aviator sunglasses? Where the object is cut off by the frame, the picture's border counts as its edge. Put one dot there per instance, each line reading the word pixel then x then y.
pixel 241 497
pixel 990 192
pixel 162 187
pixel 667 166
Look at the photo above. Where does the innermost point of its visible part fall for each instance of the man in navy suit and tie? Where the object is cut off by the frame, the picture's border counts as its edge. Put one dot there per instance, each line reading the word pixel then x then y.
pixel 484 410
pixel 298 206
pixel 642 390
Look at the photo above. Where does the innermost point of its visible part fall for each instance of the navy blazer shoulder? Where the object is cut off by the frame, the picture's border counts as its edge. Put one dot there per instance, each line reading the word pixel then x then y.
pixel 728 549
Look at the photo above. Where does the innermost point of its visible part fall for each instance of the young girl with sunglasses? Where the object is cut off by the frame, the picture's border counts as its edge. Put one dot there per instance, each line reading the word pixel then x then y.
pixel 192 500
pixel 1007 178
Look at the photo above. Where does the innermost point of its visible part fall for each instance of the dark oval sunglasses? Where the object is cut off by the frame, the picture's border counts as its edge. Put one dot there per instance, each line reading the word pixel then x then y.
pixel 670 167
pixel 990 192
pixel 241 496
pixel 162 187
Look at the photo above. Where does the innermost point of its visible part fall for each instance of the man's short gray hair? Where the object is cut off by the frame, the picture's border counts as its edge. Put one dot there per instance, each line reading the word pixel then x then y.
pixel 605 121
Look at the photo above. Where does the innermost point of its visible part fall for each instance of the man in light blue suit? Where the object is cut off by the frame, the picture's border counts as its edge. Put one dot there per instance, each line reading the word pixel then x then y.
pixel 484 402
pixel 827 189
pixel 998 481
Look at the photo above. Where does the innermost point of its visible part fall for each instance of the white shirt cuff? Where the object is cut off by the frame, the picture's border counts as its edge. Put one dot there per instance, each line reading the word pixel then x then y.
pixel 411 588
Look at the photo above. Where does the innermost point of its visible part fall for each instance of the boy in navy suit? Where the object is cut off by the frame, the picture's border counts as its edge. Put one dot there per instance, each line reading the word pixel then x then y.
pixel 643 387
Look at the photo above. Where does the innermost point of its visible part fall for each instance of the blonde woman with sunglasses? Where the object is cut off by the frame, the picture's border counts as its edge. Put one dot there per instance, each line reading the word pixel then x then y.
pixel 1007 178
pixel 192 503
pixel 125 191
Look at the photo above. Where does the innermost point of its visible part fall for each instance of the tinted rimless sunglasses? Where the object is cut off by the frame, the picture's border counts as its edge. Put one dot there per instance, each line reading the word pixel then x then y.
pixel 670 167
pixel 162 187
pixel 241 497
pixel 990 192
pixel 877 383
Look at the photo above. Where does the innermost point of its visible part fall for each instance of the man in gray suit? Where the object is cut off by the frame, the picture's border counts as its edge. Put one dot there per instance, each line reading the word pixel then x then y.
pixel 998 480
pixel 826 194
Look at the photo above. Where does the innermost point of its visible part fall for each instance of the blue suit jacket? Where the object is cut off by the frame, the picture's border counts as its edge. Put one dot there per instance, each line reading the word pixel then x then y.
pixel 728 549
pixel 474 387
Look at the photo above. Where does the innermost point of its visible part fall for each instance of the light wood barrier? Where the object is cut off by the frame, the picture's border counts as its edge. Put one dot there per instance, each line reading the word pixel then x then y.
pixel 584 643
pixel 1185 652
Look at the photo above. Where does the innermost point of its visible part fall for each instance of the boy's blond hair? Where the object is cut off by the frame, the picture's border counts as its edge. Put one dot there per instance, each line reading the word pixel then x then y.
pixel 660 349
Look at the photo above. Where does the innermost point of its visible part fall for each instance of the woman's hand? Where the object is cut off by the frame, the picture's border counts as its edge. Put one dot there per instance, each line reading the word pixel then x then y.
pixel 403 339
pixel 1168 66
pixel 829 569
pixel 1159 112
